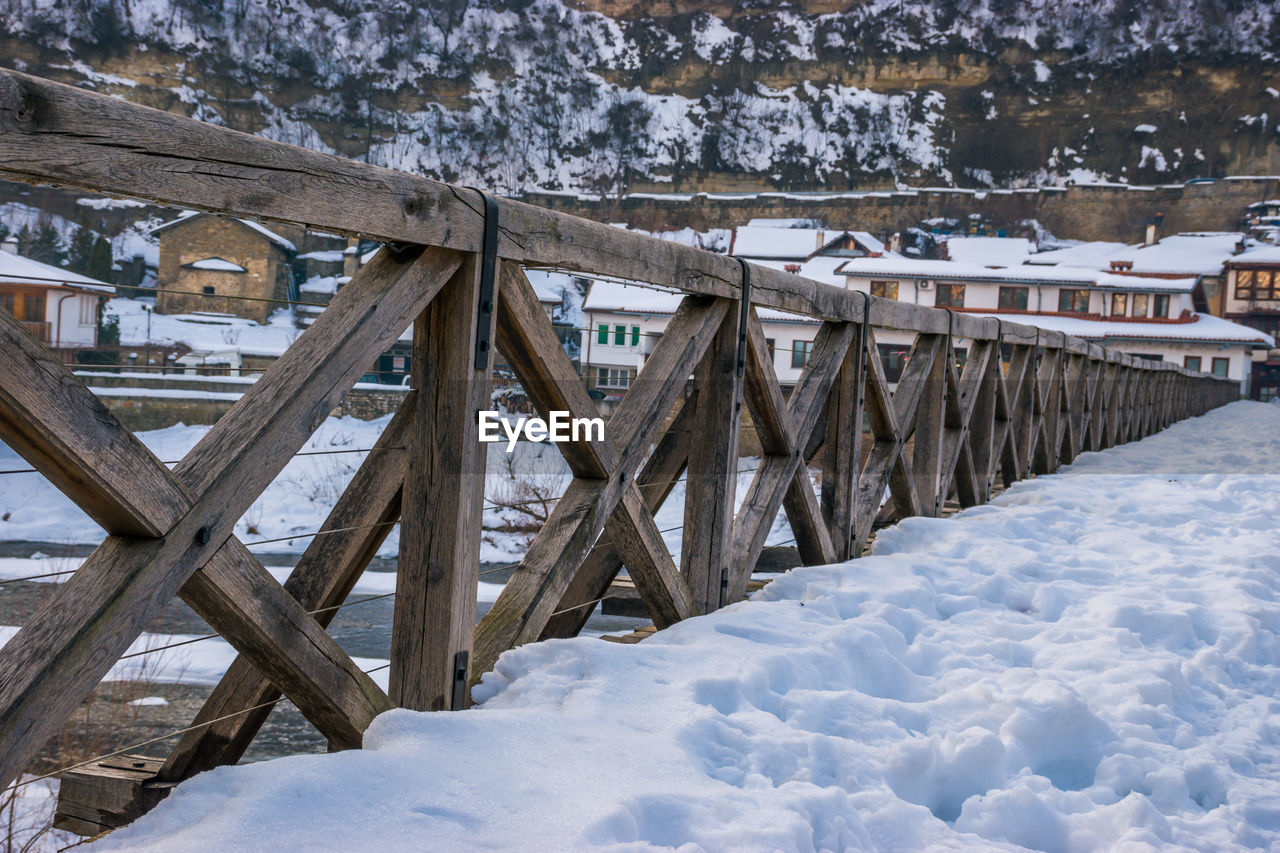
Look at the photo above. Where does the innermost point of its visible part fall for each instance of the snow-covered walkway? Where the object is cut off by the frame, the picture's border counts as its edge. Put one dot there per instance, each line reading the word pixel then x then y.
pixel 1089 663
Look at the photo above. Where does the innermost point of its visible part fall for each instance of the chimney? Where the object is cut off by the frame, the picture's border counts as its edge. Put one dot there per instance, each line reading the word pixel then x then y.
pixel 9 245
pixel 821 234
pixel 1151 236
pixel 895 241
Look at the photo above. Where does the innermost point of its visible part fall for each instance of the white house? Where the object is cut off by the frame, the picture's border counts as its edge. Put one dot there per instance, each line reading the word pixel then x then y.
pixel 58 307
pixel 1153 317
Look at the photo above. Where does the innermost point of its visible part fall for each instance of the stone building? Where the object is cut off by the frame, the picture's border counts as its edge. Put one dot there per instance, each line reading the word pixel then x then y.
pixel 207 261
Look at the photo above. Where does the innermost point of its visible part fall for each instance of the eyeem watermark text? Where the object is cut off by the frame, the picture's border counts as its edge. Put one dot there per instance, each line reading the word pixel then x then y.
pixel 561 426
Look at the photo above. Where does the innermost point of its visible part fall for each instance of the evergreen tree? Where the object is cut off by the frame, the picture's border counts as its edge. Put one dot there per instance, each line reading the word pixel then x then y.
pixel 43 245
pixel 79 251
pixel 100 260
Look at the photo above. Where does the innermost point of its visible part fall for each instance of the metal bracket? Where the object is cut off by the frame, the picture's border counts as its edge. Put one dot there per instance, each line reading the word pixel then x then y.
pixel 744 315
pixel 724 586
pixel 461 661
pixel 488 280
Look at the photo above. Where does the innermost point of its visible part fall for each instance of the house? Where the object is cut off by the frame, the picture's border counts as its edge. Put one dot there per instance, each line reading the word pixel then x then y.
pixel 223 265
pixel 1252 298
pixel 1152 317
pixel 623 323
pixel 59 307
pixel 1198 255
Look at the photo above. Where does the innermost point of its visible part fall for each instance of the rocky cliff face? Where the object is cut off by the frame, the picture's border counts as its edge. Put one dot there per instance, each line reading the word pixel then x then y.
pixel 612 95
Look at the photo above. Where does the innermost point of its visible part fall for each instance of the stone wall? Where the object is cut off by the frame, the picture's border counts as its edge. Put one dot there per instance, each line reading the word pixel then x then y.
pixel 218 237
pixel 1085 212
pixel 210 399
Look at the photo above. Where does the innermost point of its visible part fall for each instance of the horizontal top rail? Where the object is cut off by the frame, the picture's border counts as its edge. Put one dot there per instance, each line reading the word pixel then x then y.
pixel 52 133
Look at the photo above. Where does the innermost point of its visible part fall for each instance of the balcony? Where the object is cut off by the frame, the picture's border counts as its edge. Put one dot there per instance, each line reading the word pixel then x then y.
pixel 40 331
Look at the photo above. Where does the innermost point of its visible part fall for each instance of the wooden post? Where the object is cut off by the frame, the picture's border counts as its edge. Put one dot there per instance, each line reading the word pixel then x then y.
pixel 435 612
pixel 712 477
pixel 842 455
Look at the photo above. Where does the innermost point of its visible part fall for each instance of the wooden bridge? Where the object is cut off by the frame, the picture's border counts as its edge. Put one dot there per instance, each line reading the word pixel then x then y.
pixel 1025 402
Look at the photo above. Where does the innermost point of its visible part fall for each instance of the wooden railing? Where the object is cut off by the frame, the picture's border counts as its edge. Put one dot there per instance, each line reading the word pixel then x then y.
pixel 37 330
pixel 1025 402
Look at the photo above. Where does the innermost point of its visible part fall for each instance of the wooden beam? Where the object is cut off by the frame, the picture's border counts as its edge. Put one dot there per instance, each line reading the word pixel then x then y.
pixel 56 134
pixel 711 480
pixel 436 575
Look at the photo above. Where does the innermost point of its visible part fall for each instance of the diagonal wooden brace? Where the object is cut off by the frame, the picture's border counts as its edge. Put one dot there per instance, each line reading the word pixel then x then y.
pixel 57 659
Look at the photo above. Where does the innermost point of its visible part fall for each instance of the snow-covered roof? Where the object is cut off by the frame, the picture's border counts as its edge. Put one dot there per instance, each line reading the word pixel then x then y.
pixel 215 264
pixel 1094 254
pixel 794 244
pixel 261 229
pixel 631 298
pixel 20 270
pixel 990 251
pixel 1205 328
pixel 1269 255
pixel 1020 274
pixel 868 242
pixel 324 256
pixel 547 285
pixel 1189 254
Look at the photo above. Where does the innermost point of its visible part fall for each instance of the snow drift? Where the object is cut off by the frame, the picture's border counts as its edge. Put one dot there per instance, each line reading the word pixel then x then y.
pixel 1089 662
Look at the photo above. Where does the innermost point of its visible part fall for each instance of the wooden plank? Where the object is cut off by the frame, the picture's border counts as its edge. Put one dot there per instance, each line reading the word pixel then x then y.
pixel 107 794
pixel 926 449
pixel 530 596
pixel 55 660
pixel 842 458
pixel 321 581
pixel 711 480
pixel 435 612
pixel 666 593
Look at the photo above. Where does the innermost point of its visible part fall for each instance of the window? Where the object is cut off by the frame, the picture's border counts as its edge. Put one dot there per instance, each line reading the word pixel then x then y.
pixel 1221 366
pixel 950 296
pixel 635 336
pixel 1140 301
pixel 88 311
pixel 1013 297
pixel 614 377
pixel 602 334
pixel 1073 301
pixel 620 336
pixel 1161 305
pixel 208 290
pixel 894 359
pixel 34 308
pixel 1191 362
pixel 6 302
pixel 1148 356
pixel 885 289
pixel 1257 284
pixel 1119 301
pixel 800 352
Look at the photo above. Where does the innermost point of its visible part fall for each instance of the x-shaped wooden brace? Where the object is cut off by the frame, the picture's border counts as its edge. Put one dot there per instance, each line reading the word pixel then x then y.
pixel 172 531
pixel 785 428
pixel 891 417
pixel 603 505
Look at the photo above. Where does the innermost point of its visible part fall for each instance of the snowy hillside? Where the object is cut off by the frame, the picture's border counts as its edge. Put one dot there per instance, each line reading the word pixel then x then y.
pixel 551 95
pixel 1090 662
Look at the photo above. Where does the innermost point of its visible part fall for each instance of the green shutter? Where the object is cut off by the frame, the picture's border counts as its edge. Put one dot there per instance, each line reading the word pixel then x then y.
pixel 602 335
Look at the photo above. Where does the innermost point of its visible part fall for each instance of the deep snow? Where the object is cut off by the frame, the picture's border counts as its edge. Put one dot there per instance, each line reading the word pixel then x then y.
pixel 1090 662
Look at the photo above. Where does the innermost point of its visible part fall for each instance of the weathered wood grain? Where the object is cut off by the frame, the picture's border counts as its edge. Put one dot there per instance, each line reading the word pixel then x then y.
pixel 435 613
